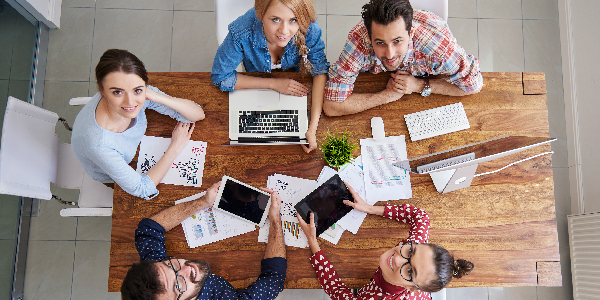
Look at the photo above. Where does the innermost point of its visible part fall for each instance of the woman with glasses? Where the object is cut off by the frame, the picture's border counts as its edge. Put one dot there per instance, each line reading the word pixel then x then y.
pixel 411 270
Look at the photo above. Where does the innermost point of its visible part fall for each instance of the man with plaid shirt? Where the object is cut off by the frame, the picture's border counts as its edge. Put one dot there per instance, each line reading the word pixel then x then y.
pixel 412 45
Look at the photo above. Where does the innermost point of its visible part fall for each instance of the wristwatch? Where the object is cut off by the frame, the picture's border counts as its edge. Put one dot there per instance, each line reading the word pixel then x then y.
pixel 427 89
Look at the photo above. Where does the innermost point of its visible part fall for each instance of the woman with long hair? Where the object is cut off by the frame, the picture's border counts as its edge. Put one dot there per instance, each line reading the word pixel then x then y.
pixel 109 128
pixel 275 34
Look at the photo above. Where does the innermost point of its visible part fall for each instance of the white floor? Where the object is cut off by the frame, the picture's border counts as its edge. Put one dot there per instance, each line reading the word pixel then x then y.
pixel 68 257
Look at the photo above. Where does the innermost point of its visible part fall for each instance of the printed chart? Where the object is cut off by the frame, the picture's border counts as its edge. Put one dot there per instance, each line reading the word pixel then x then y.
pixel 188 167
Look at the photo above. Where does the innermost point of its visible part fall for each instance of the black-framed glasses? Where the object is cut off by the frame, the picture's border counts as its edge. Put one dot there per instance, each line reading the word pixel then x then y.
pixel 180 280
pixel 407 263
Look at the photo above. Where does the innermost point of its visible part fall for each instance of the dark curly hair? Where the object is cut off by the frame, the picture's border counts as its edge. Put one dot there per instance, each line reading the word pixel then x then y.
pixel 141 282
pixel 385 12
pixel 446 268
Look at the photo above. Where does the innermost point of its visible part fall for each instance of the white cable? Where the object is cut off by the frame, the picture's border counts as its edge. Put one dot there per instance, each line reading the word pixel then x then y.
pixel 516 162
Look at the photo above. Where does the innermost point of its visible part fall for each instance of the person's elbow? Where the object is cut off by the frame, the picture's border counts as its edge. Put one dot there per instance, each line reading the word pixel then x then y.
pixel 202 116
pixel 475 91
pixel 332 108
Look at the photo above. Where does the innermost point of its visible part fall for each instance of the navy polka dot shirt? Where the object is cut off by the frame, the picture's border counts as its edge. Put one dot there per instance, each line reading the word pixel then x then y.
pixel 150 243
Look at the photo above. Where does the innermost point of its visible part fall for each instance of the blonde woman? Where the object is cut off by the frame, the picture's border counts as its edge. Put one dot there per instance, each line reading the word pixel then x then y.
pixel 275 34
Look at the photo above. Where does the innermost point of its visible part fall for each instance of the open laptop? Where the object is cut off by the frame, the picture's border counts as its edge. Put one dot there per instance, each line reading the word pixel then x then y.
pixel 266 117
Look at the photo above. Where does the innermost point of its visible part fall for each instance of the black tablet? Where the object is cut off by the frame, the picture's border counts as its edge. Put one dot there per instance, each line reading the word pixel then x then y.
pixel 243 201
pixel 326 203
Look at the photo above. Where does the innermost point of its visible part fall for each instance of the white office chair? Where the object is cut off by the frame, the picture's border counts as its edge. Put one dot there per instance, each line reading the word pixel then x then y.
pixel 226 11
pixel 31 157
pixel 438 7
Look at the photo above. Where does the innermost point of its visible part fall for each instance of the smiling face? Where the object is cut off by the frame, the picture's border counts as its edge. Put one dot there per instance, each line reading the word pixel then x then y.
pixel 124 93
pixel 194 275
pixel 422 260
pixel 390 43
pixel 279 24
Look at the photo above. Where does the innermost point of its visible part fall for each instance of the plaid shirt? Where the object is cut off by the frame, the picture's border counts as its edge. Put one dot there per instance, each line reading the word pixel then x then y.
pixel 432 51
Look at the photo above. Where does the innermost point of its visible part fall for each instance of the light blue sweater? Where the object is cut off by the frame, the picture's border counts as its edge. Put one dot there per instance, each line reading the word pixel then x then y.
pixel 105 155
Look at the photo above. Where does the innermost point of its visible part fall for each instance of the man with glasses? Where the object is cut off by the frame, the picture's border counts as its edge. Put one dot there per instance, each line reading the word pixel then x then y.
pixel 158 276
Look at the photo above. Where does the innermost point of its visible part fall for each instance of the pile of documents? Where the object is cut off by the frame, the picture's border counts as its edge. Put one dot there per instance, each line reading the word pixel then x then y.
pixel 371 175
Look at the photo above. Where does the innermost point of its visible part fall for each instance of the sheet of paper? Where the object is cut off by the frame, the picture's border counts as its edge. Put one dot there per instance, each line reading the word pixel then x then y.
pixel 188 167
pixel 292 233
pixel 354 176
pixel 291 190
pixel 383 181
pixel 332 234
pixel 210 225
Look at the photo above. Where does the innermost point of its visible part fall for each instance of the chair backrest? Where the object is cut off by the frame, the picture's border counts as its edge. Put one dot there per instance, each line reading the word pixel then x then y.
pixel 226 11
pixel 28 155
pixel 438 7
pixel 31 155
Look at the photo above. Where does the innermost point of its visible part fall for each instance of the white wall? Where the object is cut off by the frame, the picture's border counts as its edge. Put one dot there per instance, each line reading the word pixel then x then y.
pixel 580 41
pixel 46 11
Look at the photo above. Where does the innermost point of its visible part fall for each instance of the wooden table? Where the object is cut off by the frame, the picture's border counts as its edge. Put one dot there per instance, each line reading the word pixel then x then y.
pixel 504 223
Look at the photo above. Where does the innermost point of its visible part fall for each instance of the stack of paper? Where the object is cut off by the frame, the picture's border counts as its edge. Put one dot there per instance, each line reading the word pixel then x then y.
pixel 210 225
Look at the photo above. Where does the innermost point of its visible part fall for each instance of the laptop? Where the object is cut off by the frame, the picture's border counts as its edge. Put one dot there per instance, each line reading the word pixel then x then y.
pixel 266 117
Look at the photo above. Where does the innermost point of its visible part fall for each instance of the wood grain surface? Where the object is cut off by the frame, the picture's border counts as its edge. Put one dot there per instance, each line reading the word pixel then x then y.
pixel 505 223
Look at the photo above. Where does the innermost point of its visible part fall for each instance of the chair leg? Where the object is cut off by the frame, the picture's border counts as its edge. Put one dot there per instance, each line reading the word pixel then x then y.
pixel 61 201
pixel 69 128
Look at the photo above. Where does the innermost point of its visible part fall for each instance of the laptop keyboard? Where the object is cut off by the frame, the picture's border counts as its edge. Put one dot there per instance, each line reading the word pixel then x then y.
pixel 268 121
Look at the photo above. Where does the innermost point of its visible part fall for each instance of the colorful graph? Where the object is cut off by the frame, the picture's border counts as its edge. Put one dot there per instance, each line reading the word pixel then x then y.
pixel 292 227
pixel 211 222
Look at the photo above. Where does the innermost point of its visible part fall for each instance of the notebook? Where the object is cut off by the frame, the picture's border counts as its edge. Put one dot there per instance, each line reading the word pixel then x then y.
pixel 266 117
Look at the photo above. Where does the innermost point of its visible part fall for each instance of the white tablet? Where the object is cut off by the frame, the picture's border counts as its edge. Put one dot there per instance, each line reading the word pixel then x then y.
pixel 243 201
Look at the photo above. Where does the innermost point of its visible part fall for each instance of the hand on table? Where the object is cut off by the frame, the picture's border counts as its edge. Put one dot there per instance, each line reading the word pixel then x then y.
pixel 181 135
pixel 405 83
pixel 274 210
pixel 311 137
pixel 290 87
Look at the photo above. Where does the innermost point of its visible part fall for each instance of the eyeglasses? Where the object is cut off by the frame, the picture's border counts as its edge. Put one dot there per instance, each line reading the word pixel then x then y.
pixel 407 263
pixel 180 282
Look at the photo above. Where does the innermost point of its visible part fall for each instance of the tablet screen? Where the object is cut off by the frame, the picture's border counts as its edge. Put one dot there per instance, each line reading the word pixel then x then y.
pixel 326 203
pixel 243 201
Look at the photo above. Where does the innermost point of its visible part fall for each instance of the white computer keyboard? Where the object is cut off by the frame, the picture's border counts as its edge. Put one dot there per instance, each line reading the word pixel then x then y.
pixel 436 121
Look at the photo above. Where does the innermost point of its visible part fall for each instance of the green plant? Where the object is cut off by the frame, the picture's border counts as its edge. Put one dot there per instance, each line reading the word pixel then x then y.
pixel 337 151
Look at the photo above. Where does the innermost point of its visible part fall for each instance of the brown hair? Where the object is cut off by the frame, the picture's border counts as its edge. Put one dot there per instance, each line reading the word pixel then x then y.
pixel 385 12
pixel 115 60
pixel 305 14
pixel 446 268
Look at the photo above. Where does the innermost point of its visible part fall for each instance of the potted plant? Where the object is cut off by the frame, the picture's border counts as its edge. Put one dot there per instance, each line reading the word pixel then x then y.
pixel 337 151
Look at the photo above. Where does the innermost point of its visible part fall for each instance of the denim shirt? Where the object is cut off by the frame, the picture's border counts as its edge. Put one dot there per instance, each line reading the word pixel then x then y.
pixel 246 43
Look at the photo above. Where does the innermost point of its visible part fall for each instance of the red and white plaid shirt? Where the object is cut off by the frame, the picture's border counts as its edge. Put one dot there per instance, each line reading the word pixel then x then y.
pixel 431 51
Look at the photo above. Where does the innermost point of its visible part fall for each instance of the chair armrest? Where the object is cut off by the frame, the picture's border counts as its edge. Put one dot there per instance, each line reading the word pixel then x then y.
pixel 86 212
pixel 79 100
